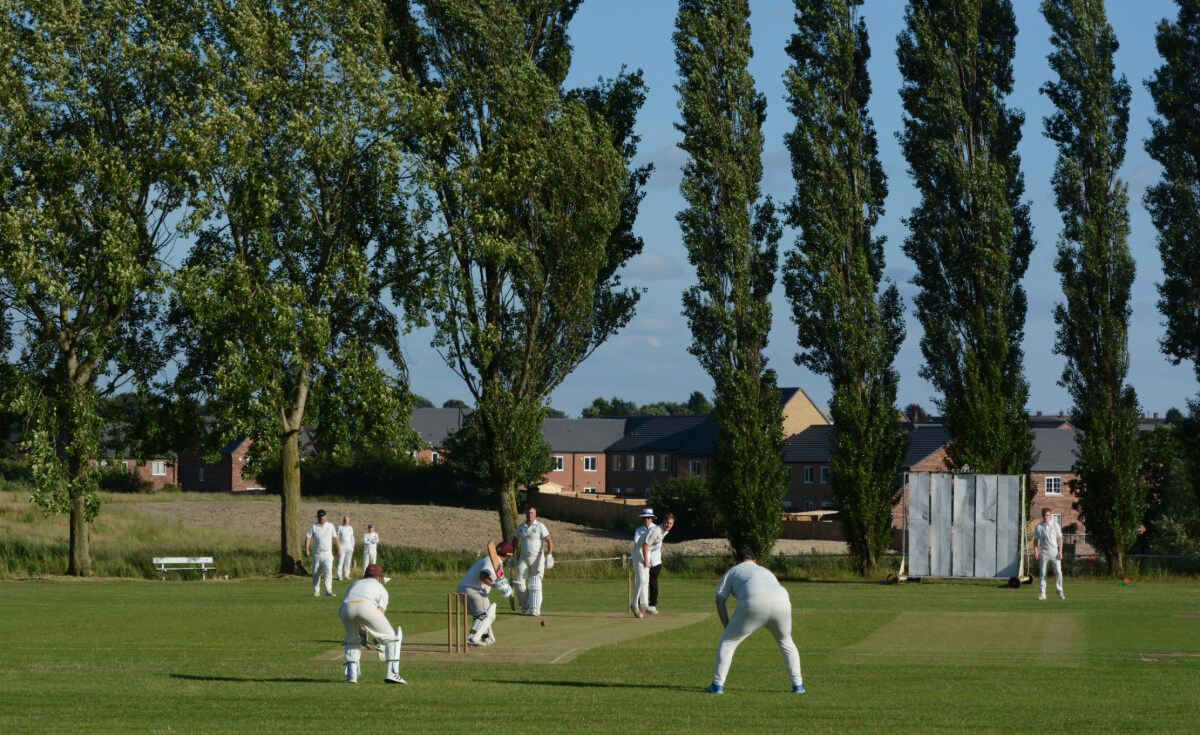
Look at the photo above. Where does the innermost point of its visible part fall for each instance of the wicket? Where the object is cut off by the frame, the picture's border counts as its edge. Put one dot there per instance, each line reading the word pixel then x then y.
pixel 456 622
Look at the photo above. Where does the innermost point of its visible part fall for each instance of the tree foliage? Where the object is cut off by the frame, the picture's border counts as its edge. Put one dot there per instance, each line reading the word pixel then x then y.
pixel 1089 126
pixel 696 405
pixel 535 201
pixel 849 326
pixel 281 309
pixel 969 236
pixel 1174 202
pixel 732 241
pixel 98 104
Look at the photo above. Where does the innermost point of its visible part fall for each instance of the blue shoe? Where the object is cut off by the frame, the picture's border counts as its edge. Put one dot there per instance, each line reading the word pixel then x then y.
pixel 798 689
pixel 714 689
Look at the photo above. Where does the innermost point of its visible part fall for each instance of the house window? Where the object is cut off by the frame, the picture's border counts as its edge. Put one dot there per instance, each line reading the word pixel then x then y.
pixel 1057 518
pixel 158 469
pixel 590 490
pixel 649 462
pixel 808 475
pixel 629 464
pixel 1054 486
pixel 630 491
pixel 125 464
pixel 808 505
pixel 589 465
pixel 789 473
pixel 434 457
pixel 415 455
pixel 664 463
pixel 787 505
pixel 695 468
pixel 558 463
pixel 824 475
pixel 616 463
pixel 200 475
pixel 647 493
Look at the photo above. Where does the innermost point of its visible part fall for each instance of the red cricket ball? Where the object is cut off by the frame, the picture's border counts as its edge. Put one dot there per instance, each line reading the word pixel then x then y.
pixel 543 623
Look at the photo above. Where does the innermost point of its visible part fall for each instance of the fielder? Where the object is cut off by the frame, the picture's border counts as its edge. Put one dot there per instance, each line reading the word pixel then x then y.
pixel 477 585
pixel 532 564
pixel 321 553
pixel 363 613
pixel 654 539
pixel 370 546
pixel 641 565
pixel 762 602
pixel 1048 548
pixel 345 534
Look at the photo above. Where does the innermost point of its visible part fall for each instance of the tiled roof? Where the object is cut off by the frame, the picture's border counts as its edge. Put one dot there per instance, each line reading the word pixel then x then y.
pixel 1057 449
pixel 814 445
pixel 924 440
pixel 435 425
pixel 679 434
pixel 582 435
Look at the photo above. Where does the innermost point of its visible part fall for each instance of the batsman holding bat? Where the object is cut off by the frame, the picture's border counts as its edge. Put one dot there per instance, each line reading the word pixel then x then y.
pixel 363 610
pixel 477 584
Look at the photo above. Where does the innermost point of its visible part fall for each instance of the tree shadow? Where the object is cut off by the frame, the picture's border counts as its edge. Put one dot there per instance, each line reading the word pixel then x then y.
pixel 595 684
pixel 244 679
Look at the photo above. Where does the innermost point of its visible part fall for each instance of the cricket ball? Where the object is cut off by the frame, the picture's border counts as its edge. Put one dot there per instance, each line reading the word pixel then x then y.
pixel 543 623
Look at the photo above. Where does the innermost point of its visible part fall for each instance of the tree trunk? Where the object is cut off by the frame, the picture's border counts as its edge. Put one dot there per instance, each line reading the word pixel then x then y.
pixel 291 556
pixel 80 562
pixel 507 500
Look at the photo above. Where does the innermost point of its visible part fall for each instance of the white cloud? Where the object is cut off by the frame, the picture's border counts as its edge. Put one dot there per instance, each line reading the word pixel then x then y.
pixel 653 267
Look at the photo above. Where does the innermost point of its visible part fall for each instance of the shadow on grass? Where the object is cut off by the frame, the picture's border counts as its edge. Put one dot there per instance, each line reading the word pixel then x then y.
pixel 243 679
pixel 595 684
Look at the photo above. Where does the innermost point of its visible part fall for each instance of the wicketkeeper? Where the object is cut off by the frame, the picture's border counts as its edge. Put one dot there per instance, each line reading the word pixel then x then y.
pixel 477 585
pixel 363 610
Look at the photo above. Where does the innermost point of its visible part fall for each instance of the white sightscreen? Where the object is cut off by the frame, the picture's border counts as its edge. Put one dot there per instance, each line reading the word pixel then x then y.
pixel 964 525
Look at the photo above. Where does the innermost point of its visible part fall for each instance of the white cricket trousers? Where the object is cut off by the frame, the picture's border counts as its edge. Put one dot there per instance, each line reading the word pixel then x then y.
pixel 775 614
pixel 641 585
pixel 369 555
pixel 322 564
pixel 1057 574
pixel 346 562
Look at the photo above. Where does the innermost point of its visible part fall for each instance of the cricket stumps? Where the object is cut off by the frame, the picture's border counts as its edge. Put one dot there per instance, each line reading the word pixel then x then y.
pixel 456 622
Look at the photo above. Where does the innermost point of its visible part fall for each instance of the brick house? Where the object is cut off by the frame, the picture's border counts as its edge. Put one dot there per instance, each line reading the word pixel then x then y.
pixel 807 458
pixel 156 472
pixel 577 451
pixel 225 476
pixel 655 448
pixel 435 425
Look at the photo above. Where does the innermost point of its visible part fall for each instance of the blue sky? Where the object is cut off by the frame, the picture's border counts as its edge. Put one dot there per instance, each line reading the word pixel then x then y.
pixel 649 362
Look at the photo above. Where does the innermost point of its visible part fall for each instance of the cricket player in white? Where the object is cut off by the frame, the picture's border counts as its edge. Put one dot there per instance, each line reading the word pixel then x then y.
pixel 477 585
pixel 345 534
pixel 370 546
pixel 1048 548
pixel 321 553
pixel 654 539
pixel 365 608
pixel 762 602
pixel 532 563
pixel 641 565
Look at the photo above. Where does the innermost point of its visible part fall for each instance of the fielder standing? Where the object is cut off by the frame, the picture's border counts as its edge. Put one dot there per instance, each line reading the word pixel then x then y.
pixel 641 564
pixel 654 539
pixel 1048 548
pixel 345 534
pixel 532 563
pixel 370 546
pixel 477 585
pixel 762 602
pixel 321 553
pixel 364 609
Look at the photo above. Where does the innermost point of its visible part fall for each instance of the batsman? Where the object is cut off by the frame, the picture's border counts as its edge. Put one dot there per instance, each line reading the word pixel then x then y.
pixel 536 556
pixel 363 610
pixel 477 584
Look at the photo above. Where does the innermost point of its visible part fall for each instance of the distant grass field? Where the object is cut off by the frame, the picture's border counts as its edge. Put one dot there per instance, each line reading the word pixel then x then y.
pixel 260 656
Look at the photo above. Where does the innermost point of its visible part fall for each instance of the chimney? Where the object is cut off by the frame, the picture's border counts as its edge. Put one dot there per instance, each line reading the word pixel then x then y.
pixel 1155 414
pixel 1039 413
pixel 1060 414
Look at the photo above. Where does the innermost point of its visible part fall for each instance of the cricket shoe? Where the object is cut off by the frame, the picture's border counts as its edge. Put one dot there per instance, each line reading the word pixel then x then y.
pixel 393 679
pixel 1061 596
pixel 714 689
pixel 329 593
pixel 798 689
pixel 351 679
pixel 636 612
pixel 650 610
pixel 1041 597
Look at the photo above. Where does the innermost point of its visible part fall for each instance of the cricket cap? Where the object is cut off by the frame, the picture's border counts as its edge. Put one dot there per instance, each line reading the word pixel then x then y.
pixel 745 555
pixel 504 548
pixel 320 513
pixel 374 571
pixel 370 525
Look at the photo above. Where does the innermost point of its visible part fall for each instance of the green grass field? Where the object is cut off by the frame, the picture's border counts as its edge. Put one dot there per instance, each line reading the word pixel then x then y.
pixel 262 656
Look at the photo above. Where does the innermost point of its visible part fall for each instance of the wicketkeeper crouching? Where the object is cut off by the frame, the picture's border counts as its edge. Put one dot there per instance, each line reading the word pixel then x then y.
pixel 477 585
pixel 363 609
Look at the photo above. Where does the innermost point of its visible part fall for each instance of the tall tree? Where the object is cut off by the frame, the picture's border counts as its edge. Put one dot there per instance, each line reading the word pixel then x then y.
pixel 98 102
pixel 1089 127
pixel 282 306
pixel 732 240
pixel 1174 202
pixel 849 326
pixel 536 203
pixel 969 236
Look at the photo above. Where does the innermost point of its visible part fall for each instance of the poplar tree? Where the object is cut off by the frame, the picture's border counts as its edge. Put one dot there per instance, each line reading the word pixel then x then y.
pixel 535 201
pixel 98 109
pixel 848 325
pixel 1174 202
pixel 1089 127
pixel 969 237
pixel 732 240
pixel 282 310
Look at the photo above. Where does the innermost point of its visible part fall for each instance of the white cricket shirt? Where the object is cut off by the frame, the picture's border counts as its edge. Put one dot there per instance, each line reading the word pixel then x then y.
pixel 747 580
pixel 367 590
pixel 532 538
pixel 345 536
pixel 472 581
pixel 322 535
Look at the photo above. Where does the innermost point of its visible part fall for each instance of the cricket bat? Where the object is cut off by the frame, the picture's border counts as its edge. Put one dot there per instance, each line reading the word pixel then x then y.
pixel 499 567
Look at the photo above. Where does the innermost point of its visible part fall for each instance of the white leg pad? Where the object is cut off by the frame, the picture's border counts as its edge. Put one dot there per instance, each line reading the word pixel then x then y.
pixel 353 655
pixel 392 651
pixel 483 625
pixel 535 594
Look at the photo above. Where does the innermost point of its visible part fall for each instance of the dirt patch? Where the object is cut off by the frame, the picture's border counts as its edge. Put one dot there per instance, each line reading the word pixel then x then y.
pixel 435 528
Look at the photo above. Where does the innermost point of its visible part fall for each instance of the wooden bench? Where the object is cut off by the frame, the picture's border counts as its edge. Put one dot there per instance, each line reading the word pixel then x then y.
pixel 202 564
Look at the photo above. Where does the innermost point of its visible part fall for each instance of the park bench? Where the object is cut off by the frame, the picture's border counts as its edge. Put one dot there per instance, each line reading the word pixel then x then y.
pixel 203 564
